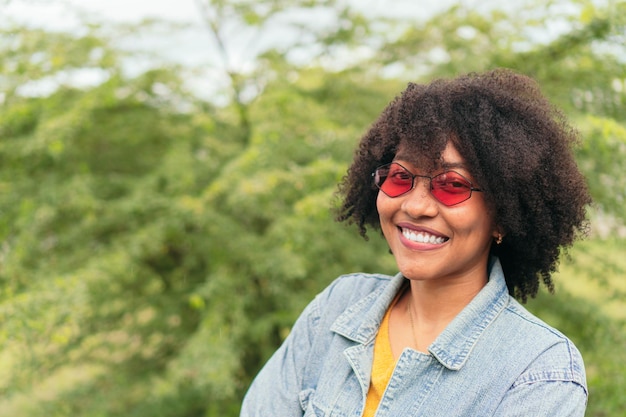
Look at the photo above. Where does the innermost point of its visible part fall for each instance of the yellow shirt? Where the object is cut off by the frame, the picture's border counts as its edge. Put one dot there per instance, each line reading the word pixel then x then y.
pixel 382 366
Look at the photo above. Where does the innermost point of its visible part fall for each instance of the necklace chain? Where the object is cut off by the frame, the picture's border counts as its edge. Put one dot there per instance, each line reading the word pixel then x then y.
pixel 408 309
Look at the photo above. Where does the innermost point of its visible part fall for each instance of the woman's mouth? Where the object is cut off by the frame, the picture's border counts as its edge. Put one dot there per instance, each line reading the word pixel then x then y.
pixel 422 237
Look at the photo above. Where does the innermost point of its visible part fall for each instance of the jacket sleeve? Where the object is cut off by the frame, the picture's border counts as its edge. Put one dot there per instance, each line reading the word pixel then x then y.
pixel 277 388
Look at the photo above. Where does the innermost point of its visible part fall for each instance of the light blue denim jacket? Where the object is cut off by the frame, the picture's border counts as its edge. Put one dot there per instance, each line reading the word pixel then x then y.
pixel 493 359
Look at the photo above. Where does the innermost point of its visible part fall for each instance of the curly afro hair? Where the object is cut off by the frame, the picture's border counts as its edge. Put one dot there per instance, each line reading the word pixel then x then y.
pixel 518 148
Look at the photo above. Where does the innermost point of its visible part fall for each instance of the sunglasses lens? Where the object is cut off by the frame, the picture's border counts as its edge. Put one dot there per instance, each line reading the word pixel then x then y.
pixel 451 188
pixel 393 180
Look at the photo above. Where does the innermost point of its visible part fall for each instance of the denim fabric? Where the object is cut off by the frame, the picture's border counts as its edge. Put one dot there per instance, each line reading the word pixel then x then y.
pixel 493 359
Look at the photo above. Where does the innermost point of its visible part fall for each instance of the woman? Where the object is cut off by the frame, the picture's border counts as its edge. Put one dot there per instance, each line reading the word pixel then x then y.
pixel 473 184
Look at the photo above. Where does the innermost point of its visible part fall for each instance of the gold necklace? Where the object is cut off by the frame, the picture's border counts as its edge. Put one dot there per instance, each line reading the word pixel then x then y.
pixel 408 310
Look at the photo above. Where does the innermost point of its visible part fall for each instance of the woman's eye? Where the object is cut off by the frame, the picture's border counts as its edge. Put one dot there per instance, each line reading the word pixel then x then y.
pixel 400 176
pixel 456 184
pixel 451 182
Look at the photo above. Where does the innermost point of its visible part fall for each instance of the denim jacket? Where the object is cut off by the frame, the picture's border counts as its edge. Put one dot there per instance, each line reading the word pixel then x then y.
pixel 493 359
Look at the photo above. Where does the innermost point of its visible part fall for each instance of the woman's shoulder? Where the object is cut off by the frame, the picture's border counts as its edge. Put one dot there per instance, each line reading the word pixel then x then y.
pixel 350 288
pixel 360 281
pixel 358 290
pixel 532 324
pixel 559 358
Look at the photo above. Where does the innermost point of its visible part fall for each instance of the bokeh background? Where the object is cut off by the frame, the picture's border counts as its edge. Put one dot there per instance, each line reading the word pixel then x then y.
pixel 167 172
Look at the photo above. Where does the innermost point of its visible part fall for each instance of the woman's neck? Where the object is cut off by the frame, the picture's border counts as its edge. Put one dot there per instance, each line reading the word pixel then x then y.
pixel 426 309
pixel 436 303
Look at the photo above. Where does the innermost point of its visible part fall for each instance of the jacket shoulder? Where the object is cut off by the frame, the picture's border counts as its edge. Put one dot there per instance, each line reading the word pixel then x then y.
pixel 344 294
pixel 357 285
pixel 559 360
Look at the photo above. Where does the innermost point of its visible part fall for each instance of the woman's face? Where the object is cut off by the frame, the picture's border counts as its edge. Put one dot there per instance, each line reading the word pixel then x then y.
pixel 432 241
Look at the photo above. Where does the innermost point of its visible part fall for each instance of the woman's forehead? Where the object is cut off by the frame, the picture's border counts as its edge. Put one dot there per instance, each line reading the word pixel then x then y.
pixel 448 157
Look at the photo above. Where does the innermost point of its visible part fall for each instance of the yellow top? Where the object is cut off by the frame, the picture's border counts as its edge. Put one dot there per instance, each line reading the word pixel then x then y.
pixel 382 366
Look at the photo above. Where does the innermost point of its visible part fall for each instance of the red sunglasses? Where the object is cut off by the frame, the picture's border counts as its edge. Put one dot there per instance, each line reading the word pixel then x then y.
pixel 449 187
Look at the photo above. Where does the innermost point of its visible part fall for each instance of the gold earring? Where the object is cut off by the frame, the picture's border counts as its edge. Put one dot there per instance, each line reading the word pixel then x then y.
pixel 499 239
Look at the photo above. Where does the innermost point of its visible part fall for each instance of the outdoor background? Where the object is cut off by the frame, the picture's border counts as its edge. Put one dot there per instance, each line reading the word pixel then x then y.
pixel 166 185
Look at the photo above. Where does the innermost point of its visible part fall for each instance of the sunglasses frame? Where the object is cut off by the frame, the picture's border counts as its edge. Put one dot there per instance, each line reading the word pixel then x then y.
pixel 430 180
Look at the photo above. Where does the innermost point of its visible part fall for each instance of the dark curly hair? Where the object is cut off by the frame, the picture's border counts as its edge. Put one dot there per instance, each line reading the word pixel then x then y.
pixel 518 148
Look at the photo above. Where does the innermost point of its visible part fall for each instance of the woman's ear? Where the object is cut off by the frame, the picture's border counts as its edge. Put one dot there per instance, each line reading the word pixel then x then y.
pixel 498 235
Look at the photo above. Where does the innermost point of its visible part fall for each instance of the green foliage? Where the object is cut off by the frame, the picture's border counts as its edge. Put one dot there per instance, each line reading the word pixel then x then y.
pixel 100 241
pixel 155 248
pixel 603 156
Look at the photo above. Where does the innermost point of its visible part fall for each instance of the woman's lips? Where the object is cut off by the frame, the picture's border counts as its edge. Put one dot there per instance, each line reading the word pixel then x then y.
pixel 421 235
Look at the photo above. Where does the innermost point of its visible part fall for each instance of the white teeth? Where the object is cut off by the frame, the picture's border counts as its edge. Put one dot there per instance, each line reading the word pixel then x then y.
pixel 422 237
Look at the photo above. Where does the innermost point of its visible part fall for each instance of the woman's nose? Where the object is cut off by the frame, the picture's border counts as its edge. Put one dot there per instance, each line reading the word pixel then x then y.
pixel 420 201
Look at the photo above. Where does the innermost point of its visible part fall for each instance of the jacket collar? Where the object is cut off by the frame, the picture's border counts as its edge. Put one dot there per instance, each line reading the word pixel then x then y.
pixel 360 322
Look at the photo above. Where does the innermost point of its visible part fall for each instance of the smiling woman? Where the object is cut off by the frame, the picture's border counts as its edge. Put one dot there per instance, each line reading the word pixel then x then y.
pixel 473 184
pixel 440 238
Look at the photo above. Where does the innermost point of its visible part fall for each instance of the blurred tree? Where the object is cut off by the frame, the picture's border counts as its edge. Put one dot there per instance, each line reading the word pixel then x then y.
pixel 157 247
pixel 99 252
pixel 259 42
pixel 139 239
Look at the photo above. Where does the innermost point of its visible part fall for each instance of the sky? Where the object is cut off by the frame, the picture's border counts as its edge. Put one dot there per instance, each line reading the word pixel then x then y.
pixel 59 15
pixel 193 47
pixel 52 13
